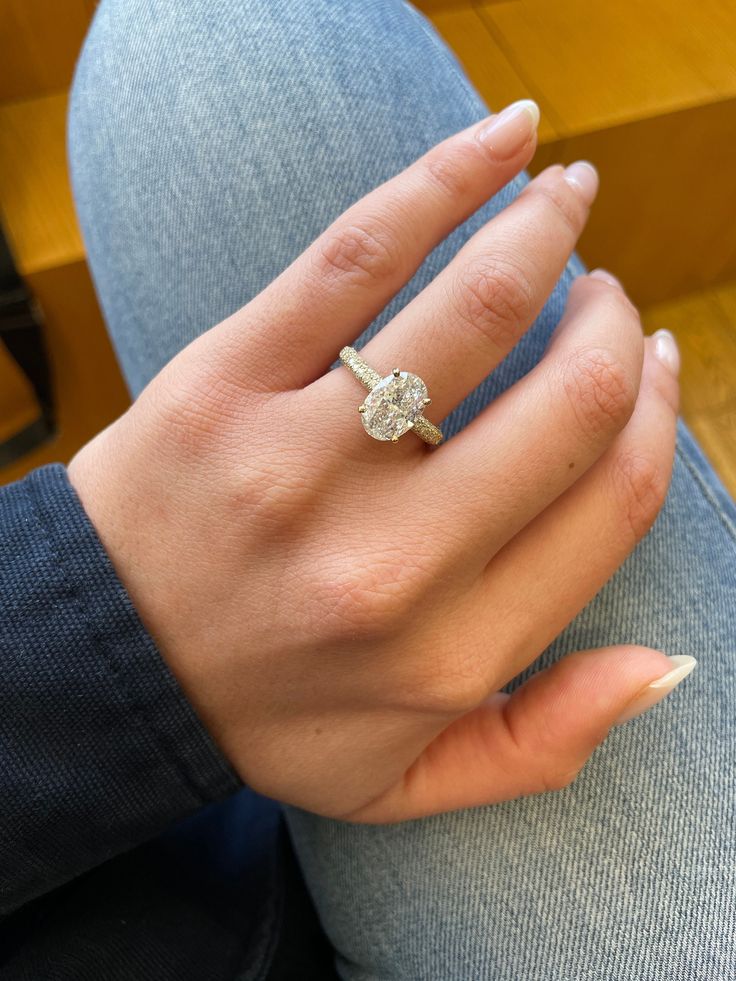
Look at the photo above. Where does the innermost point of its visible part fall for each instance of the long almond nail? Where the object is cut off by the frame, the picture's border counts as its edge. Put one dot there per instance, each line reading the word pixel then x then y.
pixel 606 277
pixel 682 665
pixel 583 176
pixel 509 131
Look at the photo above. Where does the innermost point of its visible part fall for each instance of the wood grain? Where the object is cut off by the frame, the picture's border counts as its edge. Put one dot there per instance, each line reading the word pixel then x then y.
pixel 39 44
pixel 652 135
pixel 704 324
pixel 598 65
pixel 35 198
pixel 665 217
pixel 484 62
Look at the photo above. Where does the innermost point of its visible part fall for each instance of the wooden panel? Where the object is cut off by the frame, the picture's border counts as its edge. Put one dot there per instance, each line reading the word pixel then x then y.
pixel 665 218
pixel 39 42
pixel 431 6
pixel 707 339
pixel 485 64
pixel 17 402
pixel 705 326
pixel 717 438
pixel 657 223
pixel 35 200
pixel 603 64
pixel 90 391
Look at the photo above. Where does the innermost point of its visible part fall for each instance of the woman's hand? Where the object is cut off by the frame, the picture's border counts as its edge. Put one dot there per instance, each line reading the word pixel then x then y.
pixel 341 612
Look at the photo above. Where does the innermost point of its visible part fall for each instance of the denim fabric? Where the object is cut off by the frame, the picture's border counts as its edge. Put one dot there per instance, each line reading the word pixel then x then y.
pixel 210 143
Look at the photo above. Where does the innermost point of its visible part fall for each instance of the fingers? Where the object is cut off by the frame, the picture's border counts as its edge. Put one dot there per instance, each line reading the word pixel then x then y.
pixel 532 741
pixel 544 576
pixel 458 329
pixel 538 738
pixel 292 331
pixel 539 436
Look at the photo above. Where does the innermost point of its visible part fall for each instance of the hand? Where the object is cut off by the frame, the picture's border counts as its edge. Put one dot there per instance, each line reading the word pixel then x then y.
pixel 341 612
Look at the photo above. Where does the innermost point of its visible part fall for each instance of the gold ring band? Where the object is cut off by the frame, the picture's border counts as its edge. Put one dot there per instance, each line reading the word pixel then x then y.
pixel 395 403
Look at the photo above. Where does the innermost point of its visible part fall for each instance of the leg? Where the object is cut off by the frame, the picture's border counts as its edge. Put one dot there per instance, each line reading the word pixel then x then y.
pixel 209 146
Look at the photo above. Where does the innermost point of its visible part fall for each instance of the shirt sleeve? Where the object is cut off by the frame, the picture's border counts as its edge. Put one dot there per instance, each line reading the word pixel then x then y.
pixel 99 748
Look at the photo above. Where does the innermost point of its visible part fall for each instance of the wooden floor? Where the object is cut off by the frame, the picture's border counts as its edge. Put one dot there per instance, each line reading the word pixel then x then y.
pixel 704 324
pixel 646 91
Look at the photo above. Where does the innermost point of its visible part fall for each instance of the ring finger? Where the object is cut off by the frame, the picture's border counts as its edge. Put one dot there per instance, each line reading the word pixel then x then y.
pixel 474 312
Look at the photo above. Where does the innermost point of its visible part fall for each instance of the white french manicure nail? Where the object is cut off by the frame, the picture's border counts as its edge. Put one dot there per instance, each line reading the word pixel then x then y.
pixel 666 350
pixel 506 133
pixel 583 176
pixel 682 665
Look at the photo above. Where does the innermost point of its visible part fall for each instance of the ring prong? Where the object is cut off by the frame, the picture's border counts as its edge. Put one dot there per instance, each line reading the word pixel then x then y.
pixel 394 439
pixel 395 372
pixel 361 408
pixel 427 401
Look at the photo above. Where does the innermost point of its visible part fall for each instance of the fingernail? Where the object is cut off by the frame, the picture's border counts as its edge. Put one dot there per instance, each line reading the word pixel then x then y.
pixel 505 134
pixel 583 177
pixel 682 665
pixel 606 277
pixel 666 349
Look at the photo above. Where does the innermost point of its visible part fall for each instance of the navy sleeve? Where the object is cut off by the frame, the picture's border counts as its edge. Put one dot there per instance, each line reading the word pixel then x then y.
pixel 99 748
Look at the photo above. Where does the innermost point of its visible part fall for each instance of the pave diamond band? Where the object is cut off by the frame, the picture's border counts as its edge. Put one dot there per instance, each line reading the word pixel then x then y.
pixel 394 404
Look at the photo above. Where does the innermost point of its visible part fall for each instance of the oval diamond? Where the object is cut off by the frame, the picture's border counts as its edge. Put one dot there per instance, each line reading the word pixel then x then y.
pixel 393 405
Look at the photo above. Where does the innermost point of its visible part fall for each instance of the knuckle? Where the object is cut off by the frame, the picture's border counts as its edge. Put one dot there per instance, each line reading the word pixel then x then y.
pixel 601 391
pixel 451 170
pixel 273 499
pixel 565 203
pixel 553 777
pixel 364 252
pixel 495 298
pixel 536 747
pixel 640 486
pixel 366 599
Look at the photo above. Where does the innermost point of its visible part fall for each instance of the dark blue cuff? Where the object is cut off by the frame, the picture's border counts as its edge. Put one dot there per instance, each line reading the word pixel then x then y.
pixel 99 748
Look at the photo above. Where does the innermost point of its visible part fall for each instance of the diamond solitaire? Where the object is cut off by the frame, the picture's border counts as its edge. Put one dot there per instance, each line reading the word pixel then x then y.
pixel 394 404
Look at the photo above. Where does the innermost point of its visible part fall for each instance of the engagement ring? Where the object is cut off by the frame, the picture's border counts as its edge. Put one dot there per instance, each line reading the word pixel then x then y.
pixel 394 404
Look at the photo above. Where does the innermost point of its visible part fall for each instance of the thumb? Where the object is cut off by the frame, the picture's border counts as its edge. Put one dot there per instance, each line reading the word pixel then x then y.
pixel 534 740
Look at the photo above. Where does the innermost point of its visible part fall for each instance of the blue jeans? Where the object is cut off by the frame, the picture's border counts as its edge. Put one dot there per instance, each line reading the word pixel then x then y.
pixel 210 143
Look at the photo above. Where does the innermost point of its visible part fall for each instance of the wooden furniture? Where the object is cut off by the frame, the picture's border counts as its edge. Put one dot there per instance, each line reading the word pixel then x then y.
pixel 38 219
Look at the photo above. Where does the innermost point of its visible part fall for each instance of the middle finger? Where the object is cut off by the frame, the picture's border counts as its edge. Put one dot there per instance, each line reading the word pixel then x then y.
pixel 458 329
